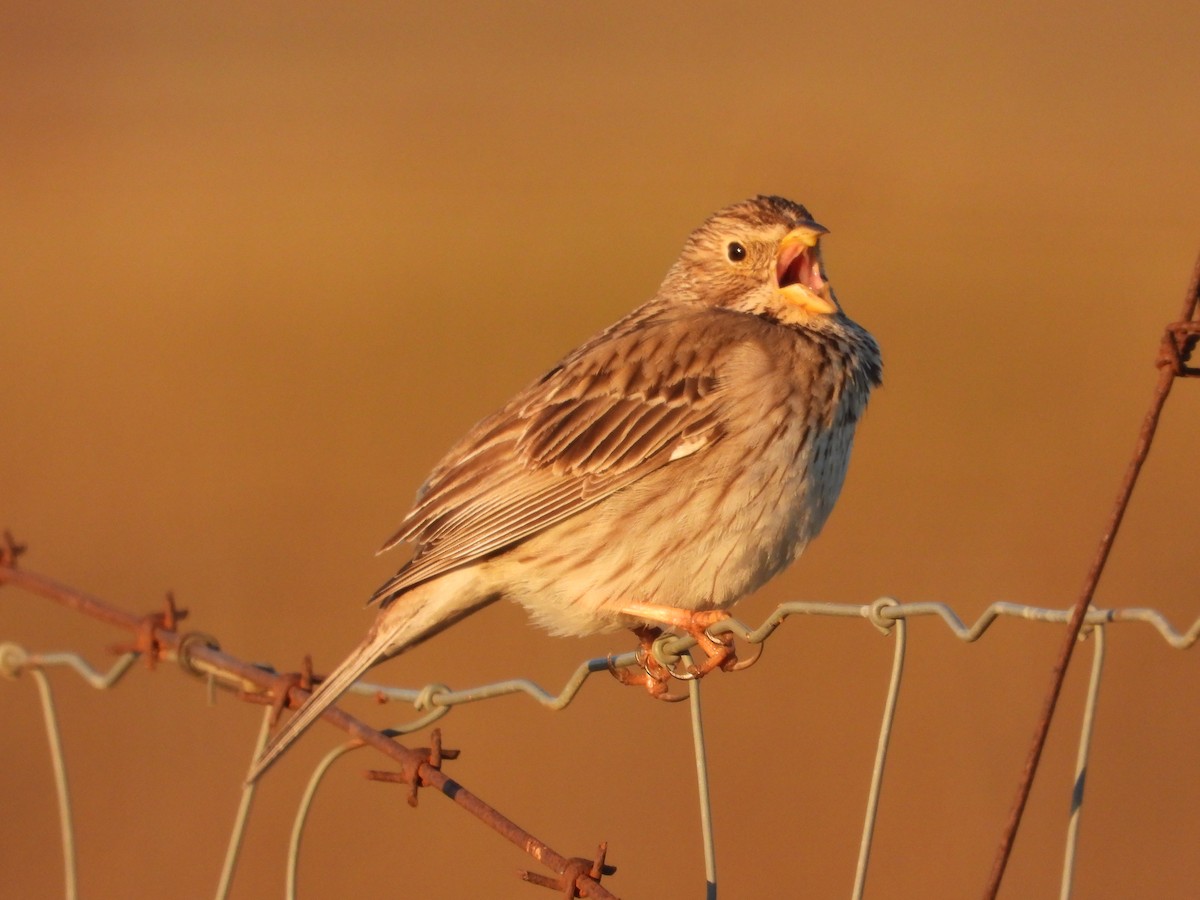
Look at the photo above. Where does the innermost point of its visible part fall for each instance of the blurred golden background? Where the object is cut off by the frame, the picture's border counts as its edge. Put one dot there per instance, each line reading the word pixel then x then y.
pixel 263 263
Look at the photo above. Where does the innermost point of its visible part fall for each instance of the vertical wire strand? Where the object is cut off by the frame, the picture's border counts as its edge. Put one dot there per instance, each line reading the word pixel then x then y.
pixel 310 791
pixel 243 813
pixel 66 826
pixel 885 736
pixel 1081 762
pixel 706 823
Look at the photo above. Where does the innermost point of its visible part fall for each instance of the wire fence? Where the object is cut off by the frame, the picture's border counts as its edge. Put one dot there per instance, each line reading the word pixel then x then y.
pixel 433 701
pixel 158 637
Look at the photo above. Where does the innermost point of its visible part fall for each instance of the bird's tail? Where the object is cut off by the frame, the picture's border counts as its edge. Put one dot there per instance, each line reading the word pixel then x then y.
pixel 409 620
pixel 326 693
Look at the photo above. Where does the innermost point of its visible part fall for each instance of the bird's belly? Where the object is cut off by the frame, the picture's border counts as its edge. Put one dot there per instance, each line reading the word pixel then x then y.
pixel 736 527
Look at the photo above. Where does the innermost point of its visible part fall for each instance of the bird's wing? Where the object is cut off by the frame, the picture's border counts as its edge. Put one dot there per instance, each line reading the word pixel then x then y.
pixel 629 402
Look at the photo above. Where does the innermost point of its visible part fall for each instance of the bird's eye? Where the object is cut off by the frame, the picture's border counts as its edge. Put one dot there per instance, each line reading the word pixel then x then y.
pixel 735 251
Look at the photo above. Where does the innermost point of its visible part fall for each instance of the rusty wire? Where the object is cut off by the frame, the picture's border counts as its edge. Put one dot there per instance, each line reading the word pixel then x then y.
pixel 1174 352
pixel 156 637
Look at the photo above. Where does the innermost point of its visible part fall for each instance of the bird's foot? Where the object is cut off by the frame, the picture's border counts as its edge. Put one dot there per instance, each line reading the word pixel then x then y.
pixel 718 649
pixel 651 673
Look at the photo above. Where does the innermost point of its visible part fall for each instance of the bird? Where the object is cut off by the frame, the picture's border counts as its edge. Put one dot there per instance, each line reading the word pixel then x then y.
pixel 661 471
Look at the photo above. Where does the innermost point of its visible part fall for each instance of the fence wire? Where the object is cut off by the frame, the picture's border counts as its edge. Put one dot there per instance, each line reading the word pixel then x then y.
pixel 433 701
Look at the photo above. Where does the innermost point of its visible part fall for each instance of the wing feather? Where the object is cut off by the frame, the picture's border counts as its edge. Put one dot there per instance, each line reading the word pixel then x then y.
pixel 608 415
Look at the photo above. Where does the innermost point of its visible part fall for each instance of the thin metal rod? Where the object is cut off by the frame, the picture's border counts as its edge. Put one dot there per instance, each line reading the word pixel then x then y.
pixel 243 814
pixel 900 630
pixel 66 825
pixel 310 791
pixel 1081 762
pixel 706 823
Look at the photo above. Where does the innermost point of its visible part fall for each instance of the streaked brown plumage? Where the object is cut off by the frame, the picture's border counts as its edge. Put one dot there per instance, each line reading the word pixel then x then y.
pixel 675 461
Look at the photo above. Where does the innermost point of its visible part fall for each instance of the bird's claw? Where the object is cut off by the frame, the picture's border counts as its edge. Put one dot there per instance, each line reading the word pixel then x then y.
pixel 720 652
pixel 654 675
pixel 651 674
pixel 734 663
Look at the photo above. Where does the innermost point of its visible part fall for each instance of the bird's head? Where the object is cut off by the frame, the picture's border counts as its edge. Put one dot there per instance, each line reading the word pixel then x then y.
pixel 760 256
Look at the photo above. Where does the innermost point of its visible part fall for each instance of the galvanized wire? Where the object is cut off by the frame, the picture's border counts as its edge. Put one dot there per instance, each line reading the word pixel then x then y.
pixel 438 696
pixel 702 789
pixel 13 662
pixel 310 792
pixel 900 632
pixel 1081 762
pixel 243 814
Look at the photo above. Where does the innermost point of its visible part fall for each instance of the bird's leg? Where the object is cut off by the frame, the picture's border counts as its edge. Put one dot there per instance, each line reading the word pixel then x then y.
pixel 718 649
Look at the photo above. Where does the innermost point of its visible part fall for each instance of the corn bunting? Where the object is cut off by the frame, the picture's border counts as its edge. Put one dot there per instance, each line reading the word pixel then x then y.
pixel 660 472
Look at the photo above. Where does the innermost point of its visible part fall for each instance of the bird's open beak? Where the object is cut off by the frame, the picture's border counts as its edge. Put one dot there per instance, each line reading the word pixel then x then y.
pixel 798 270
